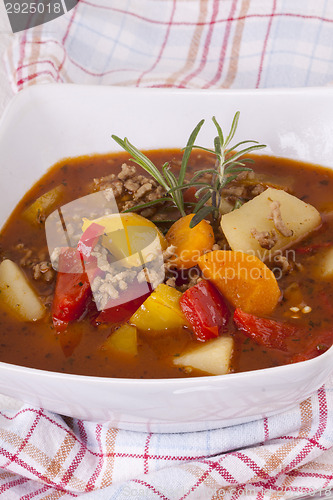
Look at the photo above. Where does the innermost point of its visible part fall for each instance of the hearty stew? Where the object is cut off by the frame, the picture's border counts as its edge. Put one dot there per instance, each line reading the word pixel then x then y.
pixel 169 263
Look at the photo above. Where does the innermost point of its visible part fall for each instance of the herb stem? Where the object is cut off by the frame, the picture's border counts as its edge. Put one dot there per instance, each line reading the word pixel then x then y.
pixel 229 163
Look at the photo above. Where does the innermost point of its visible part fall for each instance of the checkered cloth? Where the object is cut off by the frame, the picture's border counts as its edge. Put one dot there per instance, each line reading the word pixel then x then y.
pixel 180 43
pixel 45 456
pixel 174 43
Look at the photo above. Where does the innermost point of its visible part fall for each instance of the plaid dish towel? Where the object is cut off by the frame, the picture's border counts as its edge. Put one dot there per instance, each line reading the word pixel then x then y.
pixel 45 456
pixel 180 43
pixel 183 44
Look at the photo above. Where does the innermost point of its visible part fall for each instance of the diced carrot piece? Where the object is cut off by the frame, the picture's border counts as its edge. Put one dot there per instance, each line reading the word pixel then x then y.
pixel 243 279
pixel 190 243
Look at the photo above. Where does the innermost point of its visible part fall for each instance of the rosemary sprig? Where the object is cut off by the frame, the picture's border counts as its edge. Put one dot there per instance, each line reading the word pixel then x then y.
pixel 166 178
pixel 229 163
pixel 227 167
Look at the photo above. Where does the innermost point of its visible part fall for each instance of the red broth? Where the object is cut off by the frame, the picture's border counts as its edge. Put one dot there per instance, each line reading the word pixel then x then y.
pixel 79 349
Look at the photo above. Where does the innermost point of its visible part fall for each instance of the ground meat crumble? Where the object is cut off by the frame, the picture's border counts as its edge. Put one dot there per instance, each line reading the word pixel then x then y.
pixel 132 189
pixel 280 262
pixel 277 219
pixel 118 278
pixel 37 262
pixel 266 239
pixel 43 270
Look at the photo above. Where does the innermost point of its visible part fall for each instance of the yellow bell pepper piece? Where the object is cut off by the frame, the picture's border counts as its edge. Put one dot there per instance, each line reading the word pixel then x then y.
pixel 123 340
pixel 131 238
pixel 161 311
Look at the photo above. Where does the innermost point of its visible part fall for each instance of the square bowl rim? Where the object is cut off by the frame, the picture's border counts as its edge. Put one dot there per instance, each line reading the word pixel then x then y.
pixel 36 90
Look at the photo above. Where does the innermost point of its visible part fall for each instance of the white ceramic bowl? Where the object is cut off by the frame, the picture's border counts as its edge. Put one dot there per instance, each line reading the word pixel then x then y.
pixel 46 123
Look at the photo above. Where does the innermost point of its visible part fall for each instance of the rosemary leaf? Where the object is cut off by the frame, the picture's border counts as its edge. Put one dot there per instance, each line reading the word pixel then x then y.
pixel 148 204
pixel 232 130
pixel 187 151
pixel 250 160
pixel 219 130
pixel 199 173
pixel 232 168
pixel 201 202
pixel 201 214
pixel 173 183
pixel 238 154
pixel 193 184
pixel 235 164
pixel 141 160
pixel 204 188
pixel 220 164
pixel 227 180
pixel 202 148
pixel 239 144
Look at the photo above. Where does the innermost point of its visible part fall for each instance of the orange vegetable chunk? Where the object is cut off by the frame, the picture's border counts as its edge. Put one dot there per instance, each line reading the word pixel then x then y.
pixel 190 243
pixel 243 279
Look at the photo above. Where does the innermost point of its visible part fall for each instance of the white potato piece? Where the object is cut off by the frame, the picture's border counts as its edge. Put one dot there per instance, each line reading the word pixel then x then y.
pixel 44 205
pixel 17 295
pixel 212 357
pixel 325 264
pixel 299 217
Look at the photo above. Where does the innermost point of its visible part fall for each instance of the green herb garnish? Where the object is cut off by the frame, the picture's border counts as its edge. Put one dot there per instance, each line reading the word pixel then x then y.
pixel 229 163
pixel 166 178
pixel 227 168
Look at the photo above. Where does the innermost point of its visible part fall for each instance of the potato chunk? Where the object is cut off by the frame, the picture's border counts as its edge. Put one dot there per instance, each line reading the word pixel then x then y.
pixel 324 264
pixel 298 217
pixel 17 295
pixel 44 205
pixel 213 357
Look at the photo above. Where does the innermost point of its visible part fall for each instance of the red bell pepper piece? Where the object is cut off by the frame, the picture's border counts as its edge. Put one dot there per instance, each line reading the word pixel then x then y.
pixel 189 195
pixel 122 308
pixel 89 239
pixel 86 245
pixel 77 268
pixel 72 291
pixel 274 335
pixel 205 309
pixel 263 331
